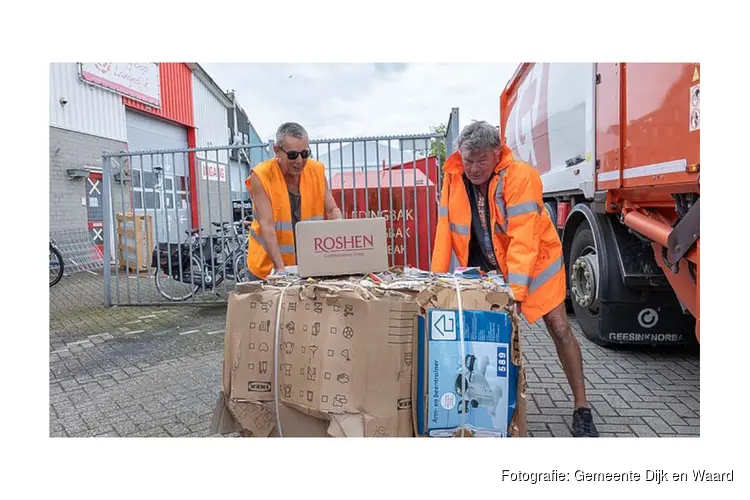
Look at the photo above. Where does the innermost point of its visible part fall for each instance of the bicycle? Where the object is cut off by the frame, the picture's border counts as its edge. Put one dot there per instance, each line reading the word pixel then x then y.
pixel 200 262
pixel 56 263
pixel 240 271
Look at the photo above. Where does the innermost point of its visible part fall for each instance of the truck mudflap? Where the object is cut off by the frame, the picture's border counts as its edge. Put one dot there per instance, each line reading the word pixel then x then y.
pixel 626 315
pixel 650 324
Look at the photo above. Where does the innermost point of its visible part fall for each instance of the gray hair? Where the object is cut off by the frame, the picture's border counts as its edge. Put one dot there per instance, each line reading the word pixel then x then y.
pixel 478 136
pixel 290 129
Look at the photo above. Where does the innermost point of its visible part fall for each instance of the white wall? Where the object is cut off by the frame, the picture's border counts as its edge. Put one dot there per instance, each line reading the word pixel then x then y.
pixel 210 113
pixel 210 118
pixel 89 110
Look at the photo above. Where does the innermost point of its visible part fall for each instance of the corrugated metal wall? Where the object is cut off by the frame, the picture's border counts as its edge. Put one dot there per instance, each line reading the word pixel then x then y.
pixel 210 117
pixel 90 110
pixel 176 95
pixel 211 131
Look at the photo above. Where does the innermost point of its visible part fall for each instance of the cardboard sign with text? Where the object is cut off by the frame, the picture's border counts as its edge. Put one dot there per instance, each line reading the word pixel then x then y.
pixel 341 357
pixel 341 247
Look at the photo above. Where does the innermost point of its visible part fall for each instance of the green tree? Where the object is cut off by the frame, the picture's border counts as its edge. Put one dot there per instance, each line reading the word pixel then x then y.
pixel 437 146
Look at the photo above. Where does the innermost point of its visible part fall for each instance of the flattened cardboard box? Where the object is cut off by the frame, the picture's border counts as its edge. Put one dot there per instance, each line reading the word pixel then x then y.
pixel 341 358
pixel 259 420
pixel 442 296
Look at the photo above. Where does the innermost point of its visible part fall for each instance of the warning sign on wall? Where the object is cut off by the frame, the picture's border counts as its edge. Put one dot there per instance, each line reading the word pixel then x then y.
pixel 695 108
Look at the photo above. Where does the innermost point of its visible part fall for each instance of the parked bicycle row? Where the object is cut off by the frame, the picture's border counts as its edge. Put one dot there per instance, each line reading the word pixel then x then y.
pixel 201 263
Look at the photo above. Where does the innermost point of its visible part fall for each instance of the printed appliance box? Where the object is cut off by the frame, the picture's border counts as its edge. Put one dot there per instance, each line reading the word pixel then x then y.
pixel 489 382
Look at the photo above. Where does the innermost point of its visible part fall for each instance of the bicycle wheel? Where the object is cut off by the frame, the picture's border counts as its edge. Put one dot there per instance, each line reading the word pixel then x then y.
pixel 241 273
pixel 229 268
pixel 177 290
pixel 213 276
pixel 56 266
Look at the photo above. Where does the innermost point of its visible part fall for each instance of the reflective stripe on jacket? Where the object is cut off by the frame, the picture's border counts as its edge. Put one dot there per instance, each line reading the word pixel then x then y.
pixel 524 237
pixel 312 195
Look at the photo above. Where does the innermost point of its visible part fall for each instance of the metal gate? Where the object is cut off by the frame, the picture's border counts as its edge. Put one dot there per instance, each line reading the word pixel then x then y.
pixel 181 239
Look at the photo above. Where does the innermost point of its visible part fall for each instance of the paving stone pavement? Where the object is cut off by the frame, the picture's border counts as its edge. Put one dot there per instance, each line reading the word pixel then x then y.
pixel 156 371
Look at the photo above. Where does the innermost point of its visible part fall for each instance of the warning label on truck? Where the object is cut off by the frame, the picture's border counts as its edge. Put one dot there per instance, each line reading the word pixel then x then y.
pixel 695 108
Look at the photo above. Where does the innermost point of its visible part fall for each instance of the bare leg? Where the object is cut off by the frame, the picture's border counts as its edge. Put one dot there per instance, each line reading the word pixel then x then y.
pixel 568 351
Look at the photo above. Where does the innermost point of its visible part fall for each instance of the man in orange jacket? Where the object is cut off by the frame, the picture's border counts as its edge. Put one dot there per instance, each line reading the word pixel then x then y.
pixel 285 190
pixel 491 216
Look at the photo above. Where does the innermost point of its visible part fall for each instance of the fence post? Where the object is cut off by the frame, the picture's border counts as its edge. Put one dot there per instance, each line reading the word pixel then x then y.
pixel 106 179
pixel 451 145
pixel 451 133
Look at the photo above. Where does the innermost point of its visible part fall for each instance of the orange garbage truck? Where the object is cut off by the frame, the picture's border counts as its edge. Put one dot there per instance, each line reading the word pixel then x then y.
pixel 618 149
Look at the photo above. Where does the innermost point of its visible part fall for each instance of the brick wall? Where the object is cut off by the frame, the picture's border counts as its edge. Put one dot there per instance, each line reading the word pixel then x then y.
pixel 72 150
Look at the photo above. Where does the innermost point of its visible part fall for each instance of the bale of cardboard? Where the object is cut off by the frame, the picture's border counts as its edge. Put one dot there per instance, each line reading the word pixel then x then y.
pixel 470 373
pixel 373 355
pixel 332 358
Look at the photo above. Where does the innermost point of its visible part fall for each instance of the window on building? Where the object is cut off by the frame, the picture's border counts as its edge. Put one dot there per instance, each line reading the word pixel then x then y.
pixel 153 192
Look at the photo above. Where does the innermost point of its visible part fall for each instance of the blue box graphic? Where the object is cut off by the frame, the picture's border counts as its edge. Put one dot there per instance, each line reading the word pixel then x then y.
pixel 490 378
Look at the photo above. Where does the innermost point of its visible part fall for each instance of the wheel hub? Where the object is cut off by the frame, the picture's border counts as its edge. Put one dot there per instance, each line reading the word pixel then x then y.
pixel 584 278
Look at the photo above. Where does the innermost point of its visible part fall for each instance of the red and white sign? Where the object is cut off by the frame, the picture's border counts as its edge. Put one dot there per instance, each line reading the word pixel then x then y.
pixel 139 81
pixel 526 128
pixel 411 214
pixel 212 171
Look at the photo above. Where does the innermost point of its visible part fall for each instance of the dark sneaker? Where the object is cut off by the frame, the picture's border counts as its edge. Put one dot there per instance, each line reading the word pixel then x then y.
pixel 583 423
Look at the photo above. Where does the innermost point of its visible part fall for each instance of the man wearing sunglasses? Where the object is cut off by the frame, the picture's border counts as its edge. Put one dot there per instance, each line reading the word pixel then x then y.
pixel 285 190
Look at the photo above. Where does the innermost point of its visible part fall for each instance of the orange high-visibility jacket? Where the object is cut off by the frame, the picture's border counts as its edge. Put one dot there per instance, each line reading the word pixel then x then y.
pixel 312 199
pixel 524 238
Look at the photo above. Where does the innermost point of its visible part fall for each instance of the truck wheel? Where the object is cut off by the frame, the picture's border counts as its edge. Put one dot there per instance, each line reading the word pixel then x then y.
pixel 583 274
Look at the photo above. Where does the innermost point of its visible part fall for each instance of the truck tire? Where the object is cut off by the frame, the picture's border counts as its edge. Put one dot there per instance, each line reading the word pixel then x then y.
pixel 583 276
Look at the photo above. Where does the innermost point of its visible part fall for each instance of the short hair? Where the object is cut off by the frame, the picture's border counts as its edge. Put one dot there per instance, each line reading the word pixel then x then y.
pixel 478 136
pixel 290 129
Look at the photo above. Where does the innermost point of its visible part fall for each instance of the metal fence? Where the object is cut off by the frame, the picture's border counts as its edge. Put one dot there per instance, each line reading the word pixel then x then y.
pixel 174 227
pixel 173 223
pixel 78 253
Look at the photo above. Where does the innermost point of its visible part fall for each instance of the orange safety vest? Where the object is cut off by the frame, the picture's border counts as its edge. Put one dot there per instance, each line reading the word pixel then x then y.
pixel 526 244
pixel 312 199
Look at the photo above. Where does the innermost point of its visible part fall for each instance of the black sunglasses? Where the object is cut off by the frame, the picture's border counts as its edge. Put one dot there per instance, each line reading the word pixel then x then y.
pixel 292 155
